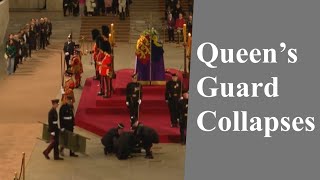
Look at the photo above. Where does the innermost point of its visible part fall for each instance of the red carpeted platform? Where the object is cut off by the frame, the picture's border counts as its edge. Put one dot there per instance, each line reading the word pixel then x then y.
pixel 97 114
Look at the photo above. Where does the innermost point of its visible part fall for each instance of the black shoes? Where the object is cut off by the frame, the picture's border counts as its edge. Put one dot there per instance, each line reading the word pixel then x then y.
pixel 58 158
pixel 174 125
pixel 74 155
pixel 149 156
pixel 46 155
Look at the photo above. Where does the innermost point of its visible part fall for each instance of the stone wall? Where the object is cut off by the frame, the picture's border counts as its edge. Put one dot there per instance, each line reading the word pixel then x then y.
pixel 29 4
pixel 4 20
pixel 52 5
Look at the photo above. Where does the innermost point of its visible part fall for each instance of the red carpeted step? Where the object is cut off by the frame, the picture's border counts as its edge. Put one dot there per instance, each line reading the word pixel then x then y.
pixel 124 110
pixel 147 100
pixel 97 114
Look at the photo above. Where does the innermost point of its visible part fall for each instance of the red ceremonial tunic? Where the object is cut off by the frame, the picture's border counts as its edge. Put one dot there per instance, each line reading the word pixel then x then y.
pixel 105 65
pixel 95 52
pixel 99 60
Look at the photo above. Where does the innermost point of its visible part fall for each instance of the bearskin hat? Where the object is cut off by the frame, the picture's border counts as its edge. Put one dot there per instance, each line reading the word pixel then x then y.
pixel 105 46
pixel 105 30
pixel 95 33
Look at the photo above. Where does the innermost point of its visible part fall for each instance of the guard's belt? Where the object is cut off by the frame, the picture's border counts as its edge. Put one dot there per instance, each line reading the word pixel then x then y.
pixel 67 118
pixel 186 114
pixel 54 122
pixel 133 95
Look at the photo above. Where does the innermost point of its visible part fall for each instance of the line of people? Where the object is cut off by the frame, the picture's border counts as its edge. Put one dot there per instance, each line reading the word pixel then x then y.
pixel 97 7
pixel 34 36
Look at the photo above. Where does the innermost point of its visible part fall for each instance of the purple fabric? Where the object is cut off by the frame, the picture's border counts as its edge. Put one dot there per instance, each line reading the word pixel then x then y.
pixel 158 70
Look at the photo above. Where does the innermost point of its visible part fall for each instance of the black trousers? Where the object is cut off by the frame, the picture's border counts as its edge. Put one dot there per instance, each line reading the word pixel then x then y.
pixel 67 60
pixel 173 108
pixel 134 110
pixel 147 145
pixel 30 49
pixel 171 34
pixel 127 10
pixel 67 8
pixel 43 41
pixel 54 144
pixel 183 129
pixel 62 148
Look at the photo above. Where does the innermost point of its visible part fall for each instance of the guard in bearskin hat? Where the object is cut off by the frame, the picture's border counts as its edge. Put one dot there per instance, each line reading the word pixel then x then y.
pixel 95 50
pixel 105 39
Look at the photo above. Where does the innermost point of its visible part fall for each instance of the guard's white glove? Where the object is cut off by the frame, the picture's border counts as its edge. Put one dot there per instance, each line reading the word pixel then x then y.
pixel 181 98
pixel 62 129
pixel 127 103
pixel 178 120
pixel 53 134
pixel 139 101
pixel 67 53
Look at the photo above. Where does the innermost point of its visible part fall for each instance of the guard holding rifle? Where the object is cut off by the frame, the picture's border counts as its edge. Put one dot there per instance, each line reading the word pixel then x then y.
pixel 54 131
pixel 133 98
pixel 67 120
pixel 172 96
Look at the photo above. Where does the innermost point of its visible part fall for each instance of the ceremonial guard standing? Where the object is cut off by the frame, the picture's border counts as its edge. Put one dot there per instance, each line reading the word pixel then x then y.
pixel 95 50
pixel 68 50
pixel 54 132
pixel 104 40
pixel 99 59
pixel 183 111
pixel 67 120
pixel 108 139
pixel 105 49
pixel 172 96
pixel 133 98
pixel 76 67
pixel 105 76
pixel 67 90
pixel 147 136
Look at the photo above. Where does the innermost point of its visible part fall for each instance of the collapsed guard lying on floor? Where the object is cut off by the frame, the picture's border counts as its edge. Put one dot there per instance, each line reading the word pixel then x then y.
pixel 123 144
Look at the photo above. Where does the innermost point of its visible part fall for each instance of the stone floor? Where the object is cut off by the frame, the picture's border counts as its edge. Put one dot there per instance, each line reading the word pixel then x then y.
pixel 25 100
